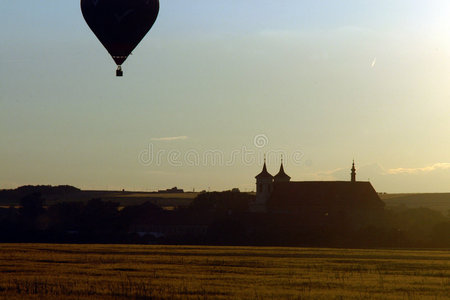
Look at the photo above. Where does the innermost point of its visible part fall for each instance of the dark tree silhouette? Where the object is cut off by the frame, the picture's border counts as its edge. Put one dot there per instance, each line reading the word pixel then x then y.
pixel 31 206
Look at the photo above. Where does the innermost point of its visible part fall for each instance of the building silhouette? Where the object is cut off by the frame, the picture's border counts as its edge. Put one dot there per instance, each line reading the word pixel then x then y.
pixel 278 194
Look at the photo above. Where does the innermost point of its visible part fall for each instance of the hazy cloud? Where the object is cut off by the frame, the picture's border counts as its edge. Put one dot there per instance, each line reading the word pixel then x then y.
pixel 159 172
pixel 330 174
pixel 343 30
pixel 427 169
pixel 171 138
pixel 365 171
pixel 290 34
pixel 376 170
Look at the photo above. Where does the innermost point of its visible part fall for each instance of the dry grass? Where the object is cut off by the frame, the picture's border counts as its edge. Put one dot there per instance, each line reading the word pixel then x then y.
pixel 163 272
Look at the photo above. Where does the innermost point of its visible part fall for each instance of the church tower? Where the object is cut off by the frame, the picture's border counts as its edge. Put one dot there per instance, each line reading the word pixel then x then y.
pixel 353 174
pixel 264 188
pixel 282 176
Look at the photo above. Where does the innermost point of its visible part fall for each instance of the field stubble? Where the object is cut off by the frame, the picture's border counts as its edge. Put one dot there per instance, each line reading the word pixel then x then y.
pixel 36 271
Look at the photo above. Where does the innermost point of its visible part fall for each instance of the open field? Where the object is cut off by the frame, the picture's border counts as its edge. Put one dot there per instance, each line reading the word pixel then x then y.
pixel 172 272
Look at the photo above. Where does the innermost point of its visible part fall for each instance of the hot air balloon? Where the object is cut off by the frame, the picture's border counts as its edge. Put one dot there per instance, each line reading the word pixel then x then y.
pixel 120 25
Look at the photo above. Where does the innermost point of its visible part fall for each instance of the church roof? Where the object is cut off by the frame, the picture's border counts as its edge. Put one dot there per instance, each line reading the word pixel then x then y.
pixel 264 173
pixel 282 175
pixel 325 194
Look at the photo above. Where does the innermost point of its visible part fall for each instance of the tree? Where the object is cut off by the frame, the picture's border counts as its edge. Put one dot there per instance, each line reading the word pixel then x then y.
pixel 31 206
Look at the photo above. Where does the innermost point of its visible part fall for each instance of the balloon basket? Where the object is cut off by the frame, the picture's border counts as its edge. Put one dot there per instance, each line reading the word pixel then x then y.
pixel 119 72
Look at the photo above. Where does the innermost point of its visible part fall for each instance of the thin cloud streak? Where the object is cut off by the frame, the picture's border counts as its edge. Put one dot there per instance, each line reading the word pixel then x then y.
pixel 325 175
pixel 171 138
pixel 329 172
pixel 380 171
pixel 434 167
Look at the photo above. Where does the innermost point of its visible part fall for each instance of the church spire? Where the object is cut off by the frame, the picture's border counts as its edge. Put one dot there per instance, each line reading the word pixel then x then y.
pixel 264 173
pixel 282 176
pixel 353 174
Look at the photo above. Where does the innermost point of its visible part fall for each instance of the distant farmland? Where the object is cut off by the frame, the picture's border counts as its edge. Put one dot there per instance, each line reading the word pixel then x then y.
pixel 161 199
pixel 437 201
pixel 125 198
pixel 169 272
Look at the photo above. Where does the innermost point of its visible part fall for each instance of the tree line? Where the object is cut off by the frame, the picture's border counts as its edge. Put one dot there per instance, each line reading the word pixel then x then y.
pixel 226 218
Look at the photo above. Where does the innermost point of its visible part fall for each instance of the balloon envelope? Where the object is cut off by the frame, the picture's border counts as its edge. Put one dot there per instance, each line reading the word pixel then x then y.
pixel 120 24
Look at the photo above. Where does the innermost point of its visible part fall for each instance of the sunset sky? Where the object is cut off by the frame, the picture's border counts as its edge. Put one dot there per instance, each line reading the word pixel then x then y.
pixel 216 84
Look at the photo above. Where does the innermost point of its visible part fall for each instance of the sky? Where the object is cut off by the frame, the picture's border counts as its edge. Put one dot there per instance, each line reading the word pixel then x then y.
pixel 215 85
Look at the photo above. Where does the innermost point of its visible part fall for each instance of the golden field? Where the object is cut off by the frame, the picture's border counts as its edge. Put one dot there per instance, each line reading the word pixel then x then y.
pixel 41 271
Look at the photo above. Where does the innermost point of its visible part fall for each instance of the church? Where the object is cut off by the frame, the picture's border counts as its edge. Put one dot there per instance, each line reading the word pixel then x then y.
pixel 278 194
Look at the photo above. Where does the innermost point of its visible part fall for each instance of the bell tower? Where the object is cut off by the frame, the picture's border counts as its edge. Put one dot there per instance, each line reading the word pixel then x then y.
pixel 264 188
